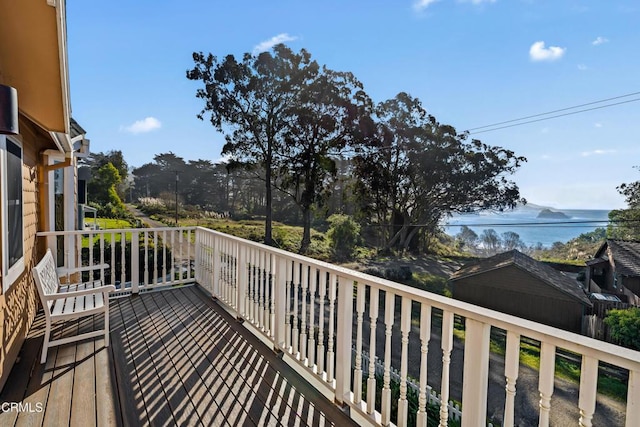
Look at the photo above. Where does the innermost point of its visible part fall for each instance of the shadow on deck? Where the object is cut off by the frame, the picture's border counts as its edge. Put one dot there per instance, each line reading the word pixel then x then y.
pixel 176 358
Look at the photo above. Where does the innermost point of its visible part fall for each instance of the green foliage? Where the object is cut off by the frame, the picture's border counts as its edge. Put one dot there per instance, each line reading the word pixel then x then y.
pixel 103 193
pixel 344 236
pixel 624 326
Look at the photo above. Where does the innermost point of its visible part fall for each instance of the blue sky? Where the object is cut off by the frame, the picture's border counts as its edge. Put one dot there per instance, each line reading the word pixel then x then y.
pixel 471 62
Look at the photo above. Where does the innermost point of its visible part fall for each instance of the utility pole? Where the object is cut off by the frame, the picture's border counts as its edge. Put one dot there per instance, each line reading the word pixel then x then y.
pixel 176 198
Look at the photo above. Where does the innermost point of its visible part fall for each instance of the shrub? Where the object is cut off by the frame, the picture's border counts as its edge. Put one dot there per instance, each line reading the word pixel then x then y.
pixel 344 236
pixel 624 326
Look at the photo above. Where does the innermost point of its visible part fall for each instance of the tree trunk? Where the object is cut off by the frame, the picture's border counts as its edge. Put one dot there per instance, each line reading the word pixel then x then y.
pixel 306 234
pixel 410 237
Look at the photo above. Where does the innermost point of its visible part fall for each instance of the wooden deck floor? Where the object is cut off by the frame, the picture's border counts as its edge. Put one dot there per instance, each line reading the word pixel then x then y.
pixel 175 358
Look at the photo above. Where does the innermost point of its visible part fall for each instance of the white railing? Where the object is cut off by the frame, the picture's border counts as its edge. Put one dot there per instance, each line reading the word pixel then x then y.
pixel 315 312
pixel 133 260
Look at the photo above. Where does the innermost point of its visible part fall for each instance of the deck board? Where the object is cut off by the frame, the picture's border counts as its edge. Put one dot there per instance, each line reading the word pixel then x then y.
pixel 175 358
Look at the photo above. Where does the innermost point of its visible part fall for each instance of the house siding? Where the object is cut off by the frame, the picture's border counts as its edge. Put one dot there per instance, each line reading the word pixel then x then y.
pixel 19 304
pixel 513 291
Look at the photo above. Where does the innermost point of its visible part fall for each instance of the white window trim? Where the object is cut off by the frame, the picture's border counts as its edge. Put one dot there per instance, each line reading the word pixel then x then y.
pixel 9 275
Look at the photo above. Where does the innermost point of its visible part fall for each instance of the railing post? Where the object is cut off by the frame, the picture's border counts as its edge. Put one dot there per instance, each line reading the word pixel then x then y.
pixel 476 372
pixel 135 262
pixel 633 399
pixel 343 339
pixel 280 304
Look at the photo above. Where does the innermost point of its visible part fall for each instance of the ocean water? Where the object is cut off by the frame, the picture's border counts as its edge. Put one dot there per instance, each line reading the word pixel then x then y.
pixel 531 229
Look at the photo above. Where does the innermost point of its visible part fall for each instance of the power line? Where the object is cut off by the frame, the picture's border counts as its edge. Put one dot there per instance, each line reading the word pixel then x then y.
pixel 555 111
pixel 556 116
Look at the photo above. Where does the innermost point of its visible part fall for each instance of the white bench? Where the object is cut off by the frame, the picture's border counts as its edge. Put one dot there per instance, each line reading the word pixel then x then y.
pixel 64 302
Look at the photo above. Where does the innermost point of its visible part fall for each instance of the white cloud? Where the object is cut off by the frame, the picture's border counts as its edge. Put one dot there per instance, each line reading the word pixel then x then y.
pixel 597 152
pixel 538 52
pixel 599 40
pixel 268 44
pixel 422 4
pixel 582 67
pixel 598 125
pixel 145 125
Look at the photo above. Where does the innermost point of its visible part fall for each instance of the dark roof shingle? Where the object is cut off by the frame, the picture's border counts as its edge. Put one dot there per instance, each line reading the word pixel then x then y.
pixel 536 268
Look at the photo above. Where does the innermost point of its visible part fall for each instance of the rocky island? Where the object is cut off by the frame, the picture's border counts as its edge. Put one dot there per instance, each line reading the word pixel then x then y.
pixel 549 214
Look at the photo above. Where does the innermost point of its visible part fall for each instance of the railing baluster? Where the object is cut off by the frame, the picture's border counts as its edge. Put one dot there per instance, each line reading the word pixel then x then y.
pixel 172 277
pixel 405 328
pixel 357 373
pixel 281 299
pixel 303 314
pixel 123 256
pixel 146 258
pixel 294 332
pixel 155 257
pixel 311 346
pixel 288 277
pixel 256 288
pixel 102 277
pixel 271 283
pixel 322 285
pixel 242 281
pixel 425 336
pixel 545 383
pixel 511 364
pixel 332 302
pixel 588 389
pixel 447 347
pixel 374 303
pixel 264 311
pixel 389 306
pixel 135 262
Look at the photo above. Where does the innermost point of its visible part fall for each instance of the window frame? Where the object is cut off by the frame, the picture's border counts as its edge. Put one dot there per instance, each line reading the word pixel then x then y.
pixel 10 274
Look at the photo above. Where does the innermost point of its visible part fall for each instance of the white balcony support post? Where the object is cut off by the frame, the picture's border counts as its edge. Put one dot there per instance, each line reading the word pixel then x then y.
pixel 389 305
pixel 135 262
pixel 633 399
pixel 511 366
pixel 241 289
pixel 322 288
pixel 447 347
pixel 303 314
pixel 374 303
pixel 281 301
pixel 476 372
pixel 343 341
pixel 311 345
pixel 545 383
pixel 332 328
pixel 588 389
pixel 405 328
pixel 357 373
pixel 425 336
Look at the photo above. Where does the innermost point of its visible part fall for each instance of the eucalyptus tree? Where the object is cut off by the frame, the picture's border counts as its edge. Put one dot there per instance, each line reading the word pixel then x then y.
pixel 248 100
pixel 418 171
pixel 325 120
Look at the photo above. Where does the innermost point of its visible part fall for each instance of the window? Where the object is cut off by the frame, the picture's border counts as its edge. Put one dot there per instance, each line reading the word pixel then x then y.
pixel 11 211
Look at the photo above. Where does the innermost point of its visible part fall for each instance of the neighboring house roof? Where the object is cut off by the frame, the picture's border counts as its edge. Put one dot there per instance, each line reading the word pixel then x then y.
pixel 626 256
pixel 537 269
pixel 76 129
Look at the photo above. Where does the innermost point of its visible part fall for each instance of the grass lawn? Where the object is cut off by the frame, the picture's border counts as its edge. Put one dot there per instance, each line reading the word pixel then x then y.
pixel 109 224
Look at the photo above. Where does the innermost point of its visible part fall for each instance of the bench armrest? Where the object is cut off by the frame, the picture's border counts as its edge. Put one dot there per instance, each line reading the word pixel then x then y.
pixel 97 290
